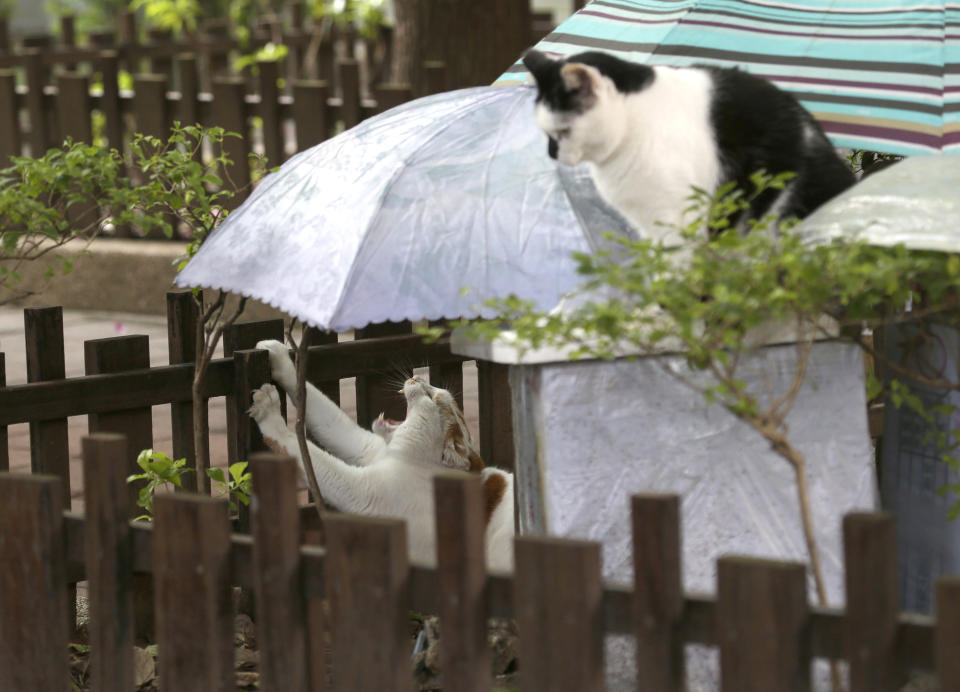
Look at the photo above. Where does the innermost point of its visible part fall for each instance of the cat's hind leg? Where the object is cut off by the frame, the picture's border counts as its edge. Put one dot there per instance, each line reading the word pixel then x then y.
pixel 327 424
pixel 346 487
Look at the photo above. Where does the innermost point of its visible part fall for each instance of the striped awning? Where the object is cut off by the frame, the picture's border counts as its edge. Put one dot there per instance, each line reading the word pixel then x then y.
pixel 880 75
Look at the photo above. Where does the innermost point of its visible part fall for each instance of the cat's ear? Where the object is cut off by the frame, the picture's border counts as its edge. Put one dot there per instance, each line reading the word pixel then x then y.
pixel 582 80
pixel 459 451
pixel 538 64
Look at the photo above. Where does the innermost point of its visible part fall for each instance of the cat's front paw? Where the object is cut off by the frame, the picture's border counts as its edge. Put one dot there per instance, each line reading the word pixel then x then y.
pixel 281 367
pixel 266 404
pixel 384 427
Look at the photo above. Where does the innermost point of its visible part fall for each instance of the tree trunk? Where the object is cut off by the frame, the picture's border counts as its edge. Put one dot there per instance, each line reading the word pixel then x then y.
pixel 476 41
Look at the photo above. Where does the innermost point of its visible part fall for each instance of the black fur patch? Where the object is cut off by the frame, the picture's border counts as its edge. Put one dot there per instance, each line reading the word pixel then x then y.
pixel 757 125
pixel 627 76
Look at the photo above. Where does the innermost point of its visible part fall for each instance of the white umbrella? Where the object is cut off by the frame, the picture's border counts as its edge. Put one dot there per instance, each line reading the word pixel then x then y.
pixel 915 202
pixel 392 219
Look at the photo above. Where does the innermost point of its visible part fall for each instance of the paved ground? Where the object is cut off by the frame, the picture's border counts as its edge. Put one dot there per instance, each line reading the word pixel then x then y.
pixel 80 325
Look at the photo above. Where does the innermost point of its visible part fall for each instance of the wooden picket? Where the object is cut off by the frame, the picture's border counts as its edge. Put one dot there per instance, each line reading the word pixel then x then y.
pixel 766 632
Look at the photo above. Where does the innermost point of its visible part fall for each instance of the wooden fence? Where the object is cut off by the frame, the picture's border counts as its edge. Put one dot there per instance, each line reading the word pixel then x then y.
pixel 760 621
pixel 47 94
pixel 120 386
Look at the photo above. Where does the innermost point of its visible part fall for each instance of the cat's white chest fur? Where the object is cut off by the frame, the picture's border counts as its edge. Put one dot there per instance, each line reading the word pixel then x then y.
pixel 650 174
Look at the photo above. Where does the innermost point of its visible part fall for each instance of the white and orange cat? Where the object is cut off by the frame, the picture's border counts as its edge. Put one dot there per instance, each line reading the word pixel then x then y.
pixel 389 472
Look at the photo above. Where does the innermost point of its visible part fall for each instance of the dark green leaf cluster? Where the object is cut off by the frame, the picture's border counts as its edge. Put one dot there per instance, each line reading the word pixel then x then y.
pixel 158 470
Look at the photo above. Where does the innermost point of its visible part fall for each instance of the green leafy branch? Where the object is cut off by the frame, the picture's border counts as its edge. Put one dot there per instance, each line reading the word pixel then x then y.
pixel 160 471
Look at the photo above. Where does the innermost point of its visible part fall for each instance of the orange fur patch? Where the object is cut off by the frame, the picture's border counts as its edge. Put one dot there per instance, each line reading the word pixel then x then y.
pixel 456 438
pixel 493 489
pixel 274 446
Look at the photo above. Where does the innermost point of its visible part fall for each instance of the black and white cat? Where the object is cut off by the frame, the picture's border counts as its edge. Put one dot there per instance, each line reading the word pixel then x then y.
pixel 649 134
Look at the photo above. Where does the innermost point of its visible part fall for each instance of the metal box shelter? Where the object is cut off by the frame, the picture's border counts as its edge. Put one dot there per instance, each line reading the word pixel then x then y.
pixel 588 434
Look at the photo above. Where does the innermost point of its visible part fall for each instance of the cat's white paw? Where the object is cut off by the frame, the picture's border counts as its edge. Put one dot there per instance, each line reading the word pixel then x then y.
pixel 281 366
pixel 266 403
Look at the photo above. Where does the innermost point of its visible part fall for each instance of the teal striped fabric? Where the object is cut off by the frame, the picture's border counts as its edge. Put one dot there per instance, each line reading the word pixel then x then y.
pixel 881 75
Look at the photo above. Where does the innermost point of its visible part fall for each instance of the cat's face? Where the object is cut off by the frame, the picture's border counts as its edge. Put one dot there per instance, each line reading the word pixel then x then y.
pixel 578 107
pixel 435 407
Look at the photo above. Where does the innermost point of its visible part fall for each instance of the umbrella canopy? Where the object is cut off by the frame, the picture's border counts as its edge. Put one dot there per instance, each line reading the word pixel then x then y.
pixel 914 202
pixel 880 75
pixel 392 219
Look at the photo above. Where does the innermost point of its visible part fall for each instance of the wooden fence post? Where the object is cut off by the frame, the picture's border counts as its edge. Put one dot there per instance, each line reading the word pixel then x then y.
pixel 188 86
pixel 948 633
pixel 310 112
pixel 761 622
pixel 4 440
pixel 368 583
pixel 496 417
pixel 73 107
pixel 109 559
pixel 251 370
pixel 315 337
pixel 558 603
pixel 34 614
pixel 119 354
pixel 349 92
pixel 109 65
pixel 49 446
pixel 238 337
pixel 658 592
pixel 391 95
pixel 281 613
pixel 229 111
pixel 270 112
pixel 871 577
pixel 375 393
pixel 183 312
pixel 434 77
pixel 9 118
pixel 40 138
pixel 150 105
pixel 193 608
pixel 462 579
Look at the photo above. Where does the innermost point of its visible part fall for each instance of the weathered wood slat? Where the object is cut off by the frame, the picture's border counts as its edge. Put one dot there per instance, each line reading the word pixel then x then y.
pixel 108 63
pixel 109 561
pixel 761 625
pixel 310 112
pixel 948 633
pixel 4 440
pixel 49 444
pixel 275 525
pixel 914 638
pixel 183 312
pixel 40 136
pixel 228 112
pixel 115 354
pixel 658 591
pixel 34 614
pixel 270 112
pixel 73 109
pixel 237 337
pixel 9 118
pixel 871 578
pixel 188 88
pixel 367 575
pixel 496 417
pixel 195 639
pixel 462 579
pixel 558 598
pixel 377 393
pixel 349 92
